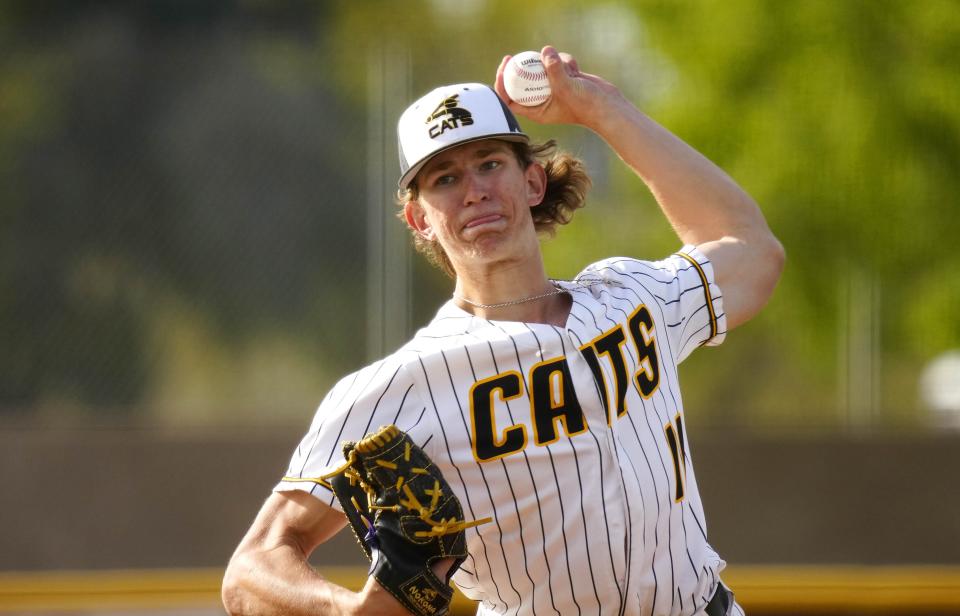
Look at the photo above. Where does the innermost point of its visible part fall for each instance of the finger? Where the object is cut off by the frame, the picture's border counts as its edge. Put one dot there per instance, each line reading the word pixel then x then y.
pixel 498 80
pixel 553 65
pixel 501 91
pixel 572 67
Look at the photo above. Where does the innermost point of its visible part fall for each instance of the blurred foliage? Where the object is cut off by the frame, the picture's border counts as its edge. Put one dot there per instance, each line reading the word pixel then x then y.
pixel 168 200
pixel 843 120
pixel 183 183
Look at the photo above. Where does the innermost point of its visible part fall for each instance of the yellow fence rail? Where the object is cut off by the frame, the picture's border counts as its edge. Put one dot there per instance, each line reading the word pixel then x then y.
pixel 766 589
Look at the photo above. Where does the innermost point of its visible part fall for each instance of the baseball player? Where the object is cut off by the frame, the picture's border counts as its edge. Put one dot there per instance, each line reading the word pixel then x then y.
pixel 552 407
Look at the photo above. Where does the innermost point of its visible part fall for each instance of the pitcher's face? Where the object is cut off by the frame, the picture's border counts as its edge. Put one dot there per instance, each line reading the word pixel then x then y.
pixel 475 200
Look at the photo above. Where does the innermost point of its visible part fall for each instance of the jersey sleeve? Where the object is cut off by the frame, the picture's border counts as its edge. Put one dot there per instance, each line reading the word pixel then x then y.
pixel 380 394
pixel 683 286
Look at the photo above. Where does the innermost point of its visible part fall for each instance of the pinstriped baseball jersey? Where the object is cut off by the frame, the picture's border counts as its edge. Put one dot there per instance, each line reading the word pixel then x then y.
pixel 571 438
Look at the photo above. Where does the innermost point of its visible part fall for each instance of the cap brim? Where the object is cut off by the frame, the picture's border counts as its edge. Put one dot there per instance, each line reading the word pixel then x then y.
pixel 412 172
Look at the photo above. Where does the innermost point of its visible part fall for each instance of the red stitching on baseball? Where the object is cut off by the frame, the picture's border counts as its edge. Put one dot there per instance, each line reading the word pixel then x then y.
pixel 533 99
pixel 529 75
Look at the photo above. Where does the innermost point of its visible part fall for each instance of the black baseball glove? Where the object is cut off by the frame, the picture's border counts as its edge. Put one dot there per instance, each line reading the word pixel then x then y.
pixel 405 517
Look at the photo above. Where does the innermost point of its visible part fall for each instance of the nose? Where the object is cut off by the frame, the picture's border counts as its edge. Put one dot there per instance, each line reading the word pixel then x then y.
pixel 476 188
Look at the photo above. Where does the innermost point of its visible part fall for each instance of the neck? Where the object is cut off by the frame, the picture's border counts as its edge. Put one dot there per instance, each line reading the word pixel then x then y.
pixel 512 292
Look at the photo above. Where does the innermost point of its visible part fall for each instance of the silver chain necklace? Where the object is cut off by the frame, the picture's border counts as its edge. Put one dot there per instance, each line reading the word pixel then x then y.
pixel 556 291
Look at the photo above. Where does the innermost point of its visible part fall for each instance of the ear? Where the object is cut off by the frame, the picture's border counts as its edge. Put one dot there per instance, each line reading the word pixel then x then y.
pixel 417 219
pixel 536 178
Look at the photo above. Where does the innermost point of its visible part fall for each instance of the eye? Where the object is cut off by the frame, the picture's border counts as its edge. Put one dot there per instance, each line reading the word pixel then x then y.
pixel 444 180
pixel 493 163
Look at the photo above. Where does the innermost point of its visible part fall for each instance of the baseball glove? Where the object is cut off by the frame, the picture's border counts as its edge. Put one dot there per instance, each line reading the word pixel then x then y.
pixel 405 517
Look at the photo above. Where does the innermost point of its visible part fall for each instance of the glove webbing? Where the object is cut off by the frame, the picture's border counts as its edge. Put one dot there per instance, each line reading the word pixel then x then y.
pixel 443 526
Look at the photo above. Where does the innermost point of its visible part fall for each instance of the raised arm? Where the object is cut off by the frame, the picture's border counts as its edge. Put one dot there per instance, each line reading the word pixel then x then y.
pixel 269 574
pixel 703 204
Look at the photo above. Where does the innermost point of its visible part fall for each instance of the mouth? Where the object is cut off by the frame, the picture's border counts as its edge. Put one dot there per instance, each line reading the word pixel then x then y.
pixel 482 220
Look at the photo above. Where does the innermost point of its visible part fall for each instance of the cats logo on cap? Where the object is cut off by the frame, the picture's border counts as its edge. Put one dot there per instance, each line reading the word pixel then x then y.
pixel 449 116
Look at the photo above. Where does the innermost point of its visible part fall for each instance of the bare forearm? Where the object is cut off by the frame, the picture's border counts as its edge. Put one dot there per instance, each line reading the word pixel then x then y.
pixel 704 205
pixel 280 581
pixel 699 199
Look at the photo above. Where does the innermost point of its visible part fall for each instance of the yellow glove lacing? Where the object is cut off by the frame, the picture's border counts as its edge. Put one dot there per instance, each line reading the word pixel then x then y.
pixel 443 526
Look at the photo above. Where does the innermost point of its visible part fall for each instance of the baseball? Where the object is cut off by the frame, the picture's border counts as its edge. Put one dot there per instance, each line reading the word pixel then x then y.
pixel 525 79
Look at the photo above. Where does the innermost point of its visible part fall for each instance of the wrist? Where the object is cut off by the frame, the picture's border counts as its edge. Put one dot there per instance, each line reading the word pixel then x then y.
pixel 375 600
pixel 615 115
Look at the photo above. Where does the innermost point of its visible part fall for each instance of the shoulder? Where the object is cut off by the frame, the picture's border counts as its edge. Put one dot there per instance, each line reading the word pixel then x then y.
pixel 450 328
pixel 682 285
pixel 447 330
pixel 656 278
pixel 630 270
pixel 379 376
pixel 444 329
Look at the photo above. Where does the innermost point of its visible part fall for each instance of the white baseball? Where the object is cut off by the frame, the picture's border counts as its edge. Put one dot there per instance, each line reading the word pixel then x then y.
pixel 525 79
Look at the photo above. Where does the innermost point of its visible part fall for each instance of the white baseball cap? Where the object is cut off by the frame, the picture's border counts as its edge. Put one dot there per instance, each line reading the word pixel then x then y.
pixel 449 116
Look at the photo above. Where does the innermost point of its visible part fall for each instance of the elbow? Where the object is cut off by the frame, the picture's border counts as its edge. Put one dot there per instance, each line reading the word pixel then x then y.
pixel 777 257
pixel 771 258
pixel 767 259
pixel 232 591
pixel 751 281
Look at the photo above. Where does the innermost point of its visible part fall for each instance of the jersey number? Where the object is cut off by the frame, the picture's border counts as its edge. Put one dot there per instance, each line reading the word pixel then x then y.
pixel 678 451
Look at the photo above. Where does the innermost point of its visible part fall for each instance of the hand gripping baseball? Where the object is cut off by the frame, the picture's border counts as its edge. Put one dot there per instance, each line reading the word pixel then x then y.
pixel 405 517
pixel 576 97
